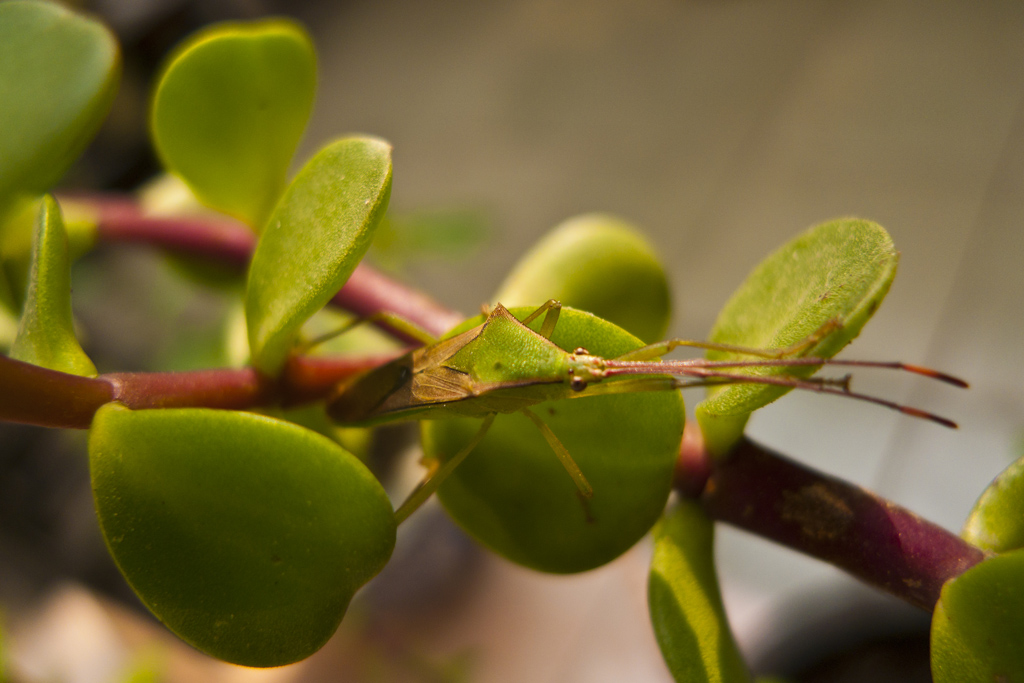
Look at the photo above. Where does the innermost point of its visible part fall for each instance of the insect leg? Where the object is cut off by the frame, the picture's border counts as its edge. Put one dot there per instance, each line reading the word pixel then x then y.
pixel 584 487
pixel 551 309
pixel 427 488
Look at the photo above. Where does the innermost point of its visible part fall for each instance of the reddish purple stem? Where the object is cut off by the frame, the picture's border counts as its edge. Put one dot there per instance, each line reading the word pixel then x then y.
pixel 869 537
pixel 367 292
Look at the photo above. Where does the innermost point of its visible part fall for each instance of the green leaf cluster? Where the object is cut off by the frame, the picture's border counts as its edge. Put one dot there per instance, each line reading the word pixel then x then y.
pixel 248 535
pixel 979 609
pixel 58 75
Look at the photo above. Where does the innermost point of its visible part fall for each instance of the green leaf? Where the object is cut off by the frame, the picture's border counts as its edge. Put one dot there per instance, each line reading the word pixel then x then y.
pixel 996 523
pixel 978 622
pixel 58 75
pixel 8 314
pixel 247 536
pixel 46 333
pixel 230 109
pixel 80 226
pixel 513 494
pixel 686 606
pixel 314 240
pixel 596 263
pixel 835 274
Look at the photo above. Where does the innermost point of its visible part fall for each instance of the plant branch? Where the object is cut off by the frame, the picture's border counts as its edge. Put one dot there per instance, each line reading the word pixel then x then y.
pixel 47 398
pixel 867 536
pixel 230 243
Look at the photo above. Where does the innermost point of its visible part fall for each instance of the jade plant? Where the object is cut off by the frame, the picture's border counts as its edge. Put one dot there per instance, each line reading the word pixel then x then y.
pixel 246 527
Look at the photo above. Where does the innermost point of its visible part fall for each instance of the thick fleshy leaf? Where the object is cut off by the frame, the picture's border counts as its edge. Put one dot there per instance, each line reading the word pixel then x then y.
pixel 8 314
pixel 313 241
pixel 16 243
pixel 58 75
pixel 996 523
pixel 513 494
pixel 977 625
pixel 822 286
pixel 686 605
pixel 247 536
pixel 596 263
pixel 46 332
pixel 229 110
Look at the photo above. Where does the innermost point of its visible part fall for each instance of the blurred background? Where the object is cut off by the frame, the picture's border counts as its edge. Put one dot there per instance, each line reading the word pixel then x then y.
pixel 721 129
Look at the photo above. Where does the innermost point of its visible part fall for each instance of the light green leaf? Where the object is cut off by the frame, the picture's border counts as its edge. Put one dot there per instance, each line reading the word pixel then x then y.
pixel 58 75
pixel 313 241
pixel 46 332
pixel 247 536
pixel 686 606
pixel 230 109
pixel 8 314
pixel 977 625
pixel 596 263
pixel 80 227
pixel 828 281
pixel 996 523
pixel 513 494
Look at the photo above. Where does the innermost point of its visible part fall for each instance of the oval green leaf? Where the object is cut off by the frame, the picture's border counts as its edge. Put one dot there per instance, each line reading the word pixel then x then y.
pixel 58 75
pixel 596 263
pixel 46 332
pixel 230 109
pixel 821 287
pixel 686 605
pixel 978 622
pixel 996 523
pixel 247 536
pixel 513 494
pixel 317 235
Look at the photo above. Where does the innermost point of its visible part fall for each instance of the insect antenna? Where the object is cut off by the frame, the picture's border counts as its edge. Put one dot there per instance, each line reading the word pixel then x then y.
pixel 703 372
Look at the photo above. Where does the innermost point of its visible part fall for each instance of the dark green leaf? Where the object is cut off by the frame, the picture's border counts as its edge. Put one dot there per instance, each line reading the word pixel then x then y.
pixel 977 625
pixel 597 263
pixel 313 241
pixel 229 110
pixel 58 75
pixel 686 606
pixel 828 281
pixel 245 535
pixel 46 333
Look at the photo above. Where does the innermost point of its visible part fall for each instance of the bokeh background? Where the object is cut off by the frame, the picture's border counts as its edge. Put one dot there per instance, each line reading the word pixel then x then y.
pixel 721 129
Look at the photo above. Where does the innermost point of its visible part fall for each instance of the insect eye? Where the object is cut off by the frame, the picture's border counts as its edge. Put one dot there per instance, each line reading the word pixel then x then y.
pixel 580 351
pixel 577 384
